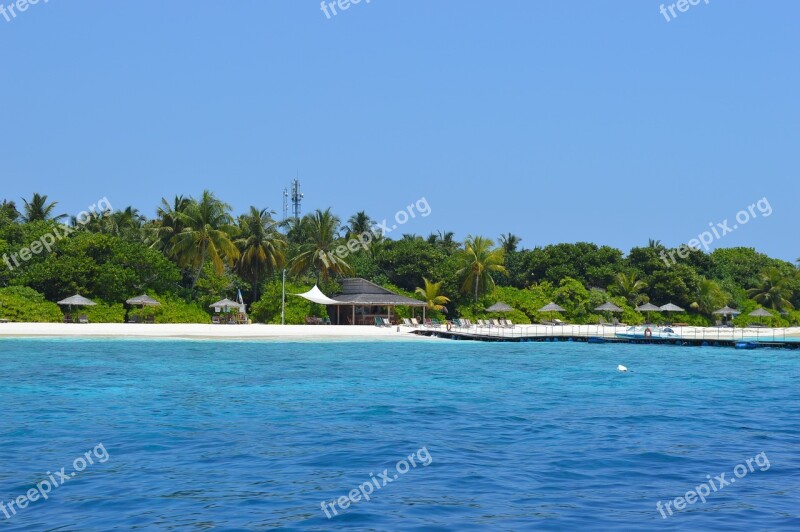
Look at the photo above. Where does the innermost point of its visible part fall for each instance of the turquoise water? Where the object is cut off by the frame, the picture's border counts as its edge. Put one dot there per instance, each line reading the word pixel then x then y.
pixel 246 436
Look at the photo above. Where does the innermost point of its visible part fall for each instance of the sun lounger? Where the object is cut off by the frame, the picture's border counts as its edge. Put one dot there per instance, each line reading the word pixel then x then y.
pixel 386 322
pixel 215 320
pixel 496 323
pixel 436 323
pixel 414 322
pixel 83 319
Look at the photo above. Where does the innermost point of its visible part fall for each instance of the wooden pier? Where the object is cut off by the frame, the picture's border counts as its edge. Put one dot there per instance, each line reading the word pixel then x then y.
pixel 748 338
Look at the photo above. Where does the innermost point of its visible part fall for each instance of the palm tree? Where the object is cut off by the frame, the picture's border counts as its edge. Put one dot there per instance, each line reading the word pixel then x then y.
pixel 444 240
pixel 8 211
pixel 709 296
pixel 654 244
pixel 479 259
pixel 432 295
pixel 206 234
pixel 168 223
pixel 262 247
pixel 630 287
pixel 39 210
pixel 316 253
pixel 774 291
pixel 358 224
pixel 510 242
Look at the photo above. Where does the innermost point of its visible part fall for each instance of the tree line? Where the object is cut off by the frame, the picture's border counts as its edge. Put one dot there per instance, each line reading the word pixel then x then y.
pixel 195 251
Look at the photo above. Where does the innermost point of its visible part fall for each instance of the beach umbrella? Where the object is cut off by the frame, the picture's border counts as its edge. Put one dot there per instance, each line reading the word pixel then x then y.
pixel 726 311
pixel 500 307
pixel 77 300
pixel 760 313
pixel 143 301
pixel 648 307
pixel 225 304
pixel 608 307
pixel 551 307
pixel 669 307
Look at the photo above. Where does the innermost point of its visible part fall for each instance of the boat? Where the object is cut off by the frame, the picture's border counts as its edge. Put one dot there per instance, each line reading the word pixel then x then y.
pixel 647 332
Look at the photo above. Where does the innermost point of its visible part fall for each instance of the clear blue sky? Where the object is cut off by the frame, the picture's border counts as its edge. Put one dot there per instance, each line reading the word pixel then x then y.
pixel 560 121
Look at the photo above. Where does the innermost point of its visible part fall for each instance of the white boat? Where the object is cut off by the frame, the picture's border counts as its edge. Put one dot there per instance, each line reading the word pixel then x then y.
pixel 649 331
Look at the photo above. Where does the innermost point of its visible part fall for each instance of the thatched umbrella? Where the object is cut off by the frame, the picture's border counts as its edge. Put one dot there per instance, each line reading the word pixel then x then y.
pixel 77 300
pixel 648 307
pixel 500 307
pixel 669 307
pixel 552 307
pixel 143 301
pixel 760 313
pixel 608 307
pixel 225 304
pixel 726 311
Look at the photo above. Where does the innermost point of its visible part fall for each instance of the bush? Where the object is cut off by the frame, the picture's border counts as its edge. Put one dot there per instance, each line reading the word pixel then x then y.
pixel 103 313
pixel 172 310
pixel 268 308
pixel 22 304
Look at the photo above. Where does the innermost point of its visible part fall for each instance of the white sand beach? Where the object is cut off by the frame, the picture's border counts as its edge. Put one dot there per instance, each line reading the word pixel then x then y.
pixel 203 331
pixel 347 332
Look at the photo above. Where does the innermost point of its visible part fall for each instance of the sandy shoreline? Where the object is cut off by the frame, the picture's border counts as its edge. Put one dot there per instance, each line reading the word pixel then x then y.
pixel 203 331
pixel 335 332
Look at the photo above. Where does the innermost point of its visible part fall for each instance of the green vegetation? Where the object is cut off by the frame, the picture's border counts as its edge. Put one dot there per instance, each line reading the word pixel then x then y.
pixel 195 251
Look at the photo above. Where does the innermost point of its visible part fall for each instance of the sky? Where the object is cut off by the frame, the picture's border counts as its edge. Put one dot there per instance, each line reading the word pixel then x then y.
pixel 558 121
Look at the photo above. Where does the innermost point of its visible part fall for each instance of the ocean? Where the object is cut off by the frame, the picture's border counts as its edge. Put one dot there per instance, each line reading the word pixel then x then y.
pixel 439 435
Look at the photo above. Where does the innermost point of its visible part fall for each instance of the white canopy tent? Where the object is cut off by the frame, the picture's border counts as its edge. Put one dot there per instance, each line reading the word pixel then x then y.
pixel 315 295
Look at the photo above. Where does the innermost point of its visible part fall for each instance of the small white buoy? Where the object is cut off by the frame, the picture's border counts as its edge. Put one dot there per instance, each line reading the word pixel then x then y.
pixel 622 368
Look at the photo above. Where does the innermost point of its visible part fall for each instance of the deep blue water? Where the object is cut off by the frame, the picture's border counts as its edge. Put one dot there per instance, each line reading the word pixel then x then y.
pixel 248 436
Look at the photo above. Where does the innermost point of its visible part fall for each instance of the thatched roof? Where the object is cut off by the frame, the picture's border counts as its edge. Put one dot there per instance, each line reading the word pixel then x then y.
pixel 608 307
pixel 357 291
pixel 500 307
pixel 77 300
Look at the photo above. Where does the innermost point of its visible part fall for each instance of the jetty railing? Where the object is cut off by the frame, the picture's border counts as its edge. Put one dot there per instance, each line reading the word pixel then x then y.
pixel 695 334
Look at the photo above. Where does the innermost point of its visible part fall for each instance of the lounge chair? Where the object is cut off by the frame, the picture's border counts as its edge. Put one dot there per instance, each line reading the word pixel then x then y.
pixel 496 323
pixel 378 322
pixel 386 322
pixel 215 320
pixel 83 319
pixel 150 319
pixel 67 318
pixel 436 323
pixel 133 319
pixel 406 322
pixel 603 322
pixel 508 324
pixel 414 322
